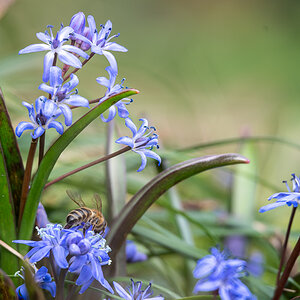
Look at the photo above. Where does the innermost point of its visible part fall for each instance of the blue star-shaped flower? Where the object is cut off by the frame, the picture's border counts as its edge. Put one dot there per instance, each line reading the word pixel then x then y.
pixel 52 238
pixel 56 46
pixel 136 292
pixel 218 273
pixel 43 279
pixel 100 42
pixel 142 141
pixel 290 198
pixel 42 118
pixel 111 90
pixel 62 94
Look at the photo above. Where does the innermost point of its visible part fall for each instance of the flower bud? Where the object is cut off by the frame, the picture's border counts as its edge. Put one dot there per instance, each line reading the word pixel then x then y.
pixel 87 33
pixel 78 23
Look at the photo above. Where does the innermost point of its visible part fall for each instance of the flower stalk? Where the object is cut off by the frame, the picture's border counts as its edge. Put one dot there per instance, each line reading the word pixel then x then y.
pixel 283 251
pixel 27 177
pixel 95 162
pixel 289 265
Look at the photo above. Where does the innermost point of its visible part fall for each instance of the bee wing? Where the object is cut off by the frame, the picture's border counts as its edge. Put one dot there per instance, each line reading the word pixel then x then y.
pixel 76 197
pixel 98 202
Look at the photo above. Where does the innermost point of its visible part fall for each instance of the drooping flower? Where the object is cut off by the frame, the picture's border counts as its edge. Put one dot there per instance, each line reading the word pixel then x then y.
pixel 88 254
pixel 44 281
pixel 218 273
pixel 142 141
pixel 111 90
pixel 42 118
pixel 136 292
pixel 62 94
pixel 100 42
pixel 132 253
pixel 289 198
pixel 51 241
pixel 56 46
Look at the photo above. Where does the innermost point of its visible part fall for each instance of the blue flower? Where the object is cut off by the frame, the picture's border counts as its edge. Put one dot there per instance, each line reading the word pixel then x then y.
pixel 56 46
pixel 42 118
pixel 62 94
pixel 218 273
pixel 111 90
pixel 100 42
pixel 41 218
pixel 136 293
pixel 142 141
pixel 77 23
pixel 88 254
pixel 52 237
pixel 290 198
pixel 43 279
pixel 132 253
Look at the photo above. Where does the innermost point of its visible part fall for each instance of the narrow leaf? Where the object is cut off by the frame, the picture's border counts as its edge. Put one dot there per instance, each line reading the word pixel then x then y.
pixel 177 245
pixel 12 156
pixel 8 262
pixel 145 197
pixel 53 154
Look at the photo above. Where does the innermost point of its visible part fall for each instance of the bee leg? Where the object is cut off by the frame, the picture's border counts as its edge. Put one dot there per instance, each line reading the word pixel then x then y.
pixel 86 226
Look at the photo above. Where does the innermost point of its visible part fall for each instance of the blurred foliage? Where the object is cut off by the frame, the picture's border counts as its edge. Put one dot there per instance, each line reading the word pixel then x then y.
pixel 207 71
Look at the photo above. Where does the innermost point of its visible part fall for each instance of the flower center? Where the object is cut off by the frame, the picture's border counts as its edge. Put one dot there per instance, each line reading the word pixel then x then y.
pixel 41 119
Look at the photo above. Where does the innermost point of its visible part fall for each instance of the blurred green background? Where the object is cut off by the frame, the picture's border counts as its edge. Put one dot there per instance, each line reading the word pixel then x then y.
pixel 207 70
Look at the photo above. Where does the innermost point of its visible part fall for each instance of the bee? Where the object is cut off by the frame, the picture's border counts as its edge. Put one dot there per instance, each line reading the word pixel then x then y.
pixel 88 216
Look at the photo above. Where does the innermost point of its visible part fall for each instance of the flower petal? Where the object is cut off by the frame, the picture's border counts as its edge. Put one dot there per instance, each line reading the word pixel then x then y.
pixel 46 88
pixel 73 82
pixel 131 126
pixel 49 286
pixel 111 59
pixel 271 206
pixel 77 100
pixel 55 77
pixel 122 110
pixel 84 276
pixel 76 50
pixel 111 46
pixel 24 126
pixel 207 285
pixel 35 48
pixel 152 154
pixel 126 141
pixel 43 251
pixel 69 59
pixel 144 161
pixel 60 257
pixel 38 132
pixel 103 81
pixel 67 113
pixel 48 62
pixel 111 114
pixel 56 125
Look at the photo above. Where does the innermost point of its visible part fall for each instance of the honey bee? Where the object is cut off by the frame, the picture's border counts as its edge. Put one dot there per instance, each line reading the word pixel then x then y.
pixel 83 214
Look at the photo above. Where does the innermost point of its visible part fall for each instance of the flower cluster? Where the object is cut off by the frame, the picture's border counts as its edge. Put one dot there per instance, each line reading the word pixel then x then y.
pixel 218 273
pixel 290 198
pixel 72 250
pixel 67 46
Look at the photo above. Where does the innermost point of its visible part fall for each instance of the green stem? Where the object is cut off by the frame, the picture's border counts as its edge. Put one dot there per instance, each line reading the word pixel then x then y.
pixel 27 177
pixel 283 251
pixel 41 147
pixel 75 70
pixel 289 265
pixel 95 162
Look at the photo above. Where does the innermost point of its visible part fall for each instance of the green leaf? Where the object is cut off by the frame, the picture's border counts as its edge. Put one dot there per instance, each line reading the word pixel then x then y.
pixel 175 244
pixel 12 157
pixel 199 298
pixel 53 154
pixel 8 262
pixel 143 199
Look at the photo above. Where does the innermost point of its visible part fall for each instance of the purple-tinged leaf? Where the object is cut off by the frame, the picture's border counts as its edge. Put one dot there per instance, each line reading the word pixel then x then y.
pixel 146 196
